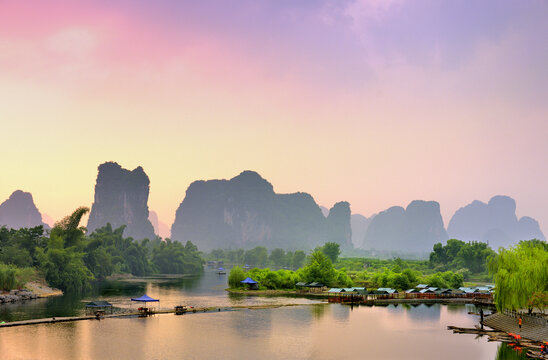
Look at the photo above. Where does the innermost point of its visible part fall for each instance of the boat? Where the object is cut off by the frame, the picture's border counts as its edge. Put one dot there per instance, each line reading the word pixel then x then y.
pixel 221 271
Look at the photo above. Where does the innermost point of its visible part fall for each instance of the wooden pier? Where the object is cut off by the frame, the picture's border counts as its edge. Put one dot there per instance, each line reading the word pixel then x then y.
pixel 53 320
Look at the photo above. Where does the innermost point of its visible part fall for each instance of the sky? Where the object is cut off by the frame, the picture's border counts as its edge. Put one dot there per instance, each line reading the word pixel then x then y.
pixel 374 102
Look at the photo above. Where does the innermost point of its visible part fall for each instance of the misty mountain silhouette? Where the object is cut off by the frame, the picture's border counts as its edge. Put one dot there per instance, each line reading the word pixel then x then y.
pixel 495 222
pixel 246 212
pixel 414 229
pixel 121 198
pixel 19 211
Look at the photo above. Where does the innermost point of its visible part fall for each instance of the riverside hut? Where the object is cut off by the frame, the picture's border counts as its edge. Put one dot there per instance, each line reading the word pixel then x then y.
pixel 98 307
pixel 252 284
pixel 315 286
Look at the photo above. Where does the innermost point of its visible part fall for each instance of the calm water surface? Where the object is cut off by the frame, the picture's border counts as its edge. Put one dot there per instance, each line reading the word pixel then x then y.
pixel 312 331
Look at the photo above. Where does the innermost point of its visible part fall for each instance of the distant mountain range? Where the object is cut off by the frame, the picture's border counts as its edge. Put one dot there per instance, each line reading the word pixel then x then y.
pixel 246 212
pixel 413 229
pixel 495 223
pixel 160 228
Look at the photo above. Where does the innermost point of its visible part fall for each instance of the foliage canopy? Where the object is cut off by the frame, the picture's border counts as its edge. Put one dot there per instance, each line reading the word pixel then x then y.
pixel 521 276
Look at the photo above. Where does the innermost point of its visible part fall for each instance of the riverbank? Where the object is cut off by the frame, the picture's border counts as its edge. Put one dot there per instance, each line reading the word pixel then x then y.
pixel 42 290
pixel 32 290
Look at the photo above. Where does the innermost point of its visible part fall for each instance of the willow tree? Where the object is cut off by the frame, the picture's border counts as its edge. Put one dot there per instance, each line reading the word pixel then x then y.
pixel 520 274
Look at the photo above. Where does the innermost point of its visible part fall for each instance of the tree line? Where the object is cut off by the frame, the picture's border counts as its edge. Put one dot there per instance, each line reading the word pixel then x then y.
pixel 70 260
pixel 318 268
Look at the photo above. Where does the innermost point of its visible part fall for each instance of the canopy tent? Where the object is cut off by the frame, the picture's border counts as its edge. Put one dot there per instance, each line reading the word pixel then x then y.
pixel 145 298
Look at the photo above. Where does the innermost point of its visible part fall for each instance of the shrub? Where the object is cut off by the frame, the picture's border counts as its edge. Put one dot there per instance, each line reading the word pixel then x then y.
pixel 235 276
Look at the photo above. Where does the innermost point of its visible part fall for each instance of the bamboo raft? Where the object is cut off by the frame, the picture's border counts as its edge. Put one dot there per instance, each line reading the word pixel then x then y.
pixel 532 347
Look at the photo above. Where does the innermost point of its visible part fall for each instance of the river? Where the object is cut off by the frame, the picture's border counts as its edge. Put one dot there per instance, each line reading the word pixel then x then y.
pixel 314 330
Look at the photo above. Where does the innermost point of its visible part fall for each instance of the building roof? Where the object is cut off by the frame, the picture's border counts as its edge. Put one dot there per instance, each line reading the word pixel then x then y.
pixel 248 280
pixel 315 284
pixel 443 291
pixel 412 291
pixel 468 290
pixel 421 286
pixel 300 283
pixel 387 290
pixel 335 290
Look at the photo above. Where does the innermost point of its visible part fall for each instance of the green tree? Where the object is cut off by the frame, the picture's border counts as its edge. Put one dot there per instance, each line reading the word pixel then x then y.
pixel 277 257
pixel 235 276
pixel 456 255
pixel 171 257
pixel 320 269
pixel 63 260
pixel 7 277
pixel 257 256
pixel 332 250
pixel 520 273
pixel 299 257
pixel 218 254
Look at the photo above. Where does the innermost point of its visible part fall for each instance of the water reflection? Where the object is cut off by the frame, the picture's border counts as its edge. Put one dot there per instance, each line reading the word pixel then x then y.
pixel 505 352
pixel 249 323
pixel 424 312
pixel 322 331
pixel 318 311
pixel 318 331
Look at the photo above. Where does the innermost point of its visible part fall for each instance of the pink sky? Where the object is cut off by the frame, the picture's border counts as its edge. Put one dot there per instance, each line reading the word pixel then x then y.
pixel 373 102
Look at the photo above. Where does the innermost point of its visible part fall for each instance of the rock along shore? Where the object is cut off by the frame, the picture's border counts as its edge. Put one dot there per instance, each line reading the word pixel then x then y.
pixel 33 290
